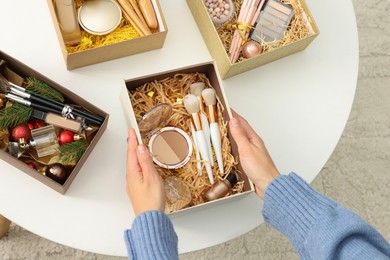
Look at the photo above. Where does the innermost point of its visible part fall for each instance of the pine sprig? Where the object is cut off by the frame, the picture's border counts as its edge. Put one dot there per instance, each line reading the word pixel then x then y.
pixel 40 88
pixel 15 115
pixel 72 152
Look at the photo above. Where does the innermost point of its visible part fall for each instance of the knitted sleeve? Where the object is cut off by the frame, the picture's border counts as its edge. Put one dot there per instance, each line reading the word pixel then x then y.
pixel 152 237
pixel 318 227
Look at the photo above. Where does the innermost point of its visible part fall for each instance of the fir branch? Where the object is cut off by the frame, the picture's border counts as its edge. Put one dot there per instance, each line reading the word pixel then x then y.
pixel 72 152
pixel 15 115
pixel 40 88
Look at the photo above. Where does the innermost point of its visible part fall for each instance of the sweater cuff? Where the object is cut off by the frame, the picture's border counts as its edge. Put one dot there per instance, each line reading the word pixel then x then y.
pixel 151 236
pixel 293 207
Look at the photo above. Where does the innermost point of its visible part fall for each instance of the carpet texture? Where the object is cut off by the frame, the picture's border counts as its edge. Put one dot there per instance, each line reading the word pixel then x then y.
pixel 357 174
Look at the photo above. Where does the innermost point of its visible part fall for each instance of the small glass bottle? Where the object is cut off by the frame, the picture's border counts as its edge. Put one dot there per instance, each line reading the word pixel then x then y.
pixel 44 140
pixel 221 188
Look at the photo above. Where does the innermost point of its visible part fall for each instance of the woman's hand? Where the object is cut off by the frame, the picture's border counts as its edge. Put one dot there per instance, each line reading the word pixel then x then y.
pixel 145 186
pixel 254 158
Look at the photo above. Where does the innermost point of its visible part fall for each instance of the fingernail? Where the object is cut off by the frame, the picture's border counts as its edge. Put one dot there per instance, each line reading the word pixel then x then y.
pixel 234 121
pixel 141 149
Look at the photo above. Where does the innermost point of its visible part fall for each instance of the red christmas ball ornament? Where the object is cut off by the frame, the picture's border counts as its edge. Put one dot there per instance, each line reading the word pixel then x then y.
pixel 31 123
pixel 39 124
pixel 65 137
pixel 30 126
pixel 21 132
pixel 31 165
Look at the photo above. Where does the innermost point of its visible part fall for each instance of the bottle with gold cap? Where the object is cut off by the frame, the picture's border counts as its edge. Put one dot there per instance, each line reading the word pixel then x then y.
pixel 221 188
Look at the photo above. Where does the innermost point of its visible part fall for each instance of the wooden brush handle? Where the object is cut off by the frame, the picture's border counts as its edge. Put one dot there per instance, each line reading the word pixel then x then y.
pixel 128 18
pixel 136 9
pixel 149 14
pixel 128 9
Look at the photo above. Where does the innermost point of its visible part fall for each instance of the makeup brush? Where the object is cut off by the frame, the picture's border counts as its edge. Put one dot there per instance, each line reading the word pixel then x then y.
pixel 49 105
pixel 191 104
pixel 197 154
pixel 26 102
pixel 210 100
pixel 196 89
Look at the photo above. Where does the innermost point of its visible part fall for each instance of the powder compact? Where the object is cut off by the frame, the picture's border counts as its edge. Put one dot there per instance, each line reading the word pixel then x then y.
pixel 99 17
pixel 171 147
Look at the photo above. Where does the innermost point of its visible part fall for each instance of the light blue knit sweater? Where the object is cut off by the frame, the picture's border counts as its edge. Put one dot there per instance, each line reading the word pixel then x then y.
pixel 318 227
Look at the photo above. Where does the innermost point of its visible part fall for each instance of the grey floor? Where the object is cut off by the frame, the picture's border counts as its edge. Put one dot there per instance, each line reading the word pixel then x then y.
pixel 357 175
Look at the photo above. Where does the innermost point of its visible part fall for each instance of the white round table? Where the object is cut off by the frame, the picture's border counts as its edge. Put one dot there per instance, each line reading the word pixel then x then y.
pixel 299 105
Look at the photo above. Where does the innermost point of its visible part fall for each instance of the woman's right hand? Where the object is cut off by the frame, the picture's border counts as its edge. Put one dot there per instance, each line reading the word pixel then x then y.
pixel 254 157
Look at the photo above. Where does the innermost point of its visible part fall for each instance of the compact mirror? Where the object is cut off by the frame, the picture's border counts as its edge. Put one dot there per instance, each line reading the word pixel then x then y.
pixel 155 118
pixel 99 17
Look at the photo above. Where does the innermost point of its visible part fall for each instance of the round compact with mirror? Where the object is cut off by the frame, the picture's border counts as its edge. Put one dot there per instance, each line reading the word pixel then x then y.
pixel 99 17
pixel 171 147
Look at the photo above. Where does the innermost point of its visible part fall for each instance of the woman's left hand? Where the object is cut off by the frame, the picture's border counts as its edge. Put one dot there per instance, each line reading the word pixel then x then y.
pixel 145 186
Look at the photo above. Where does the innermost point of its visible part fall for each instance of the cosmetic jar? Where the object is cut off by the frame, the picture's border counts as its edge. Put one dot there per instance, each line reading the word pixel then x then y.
pixel 220 11
pixel 221 188
pixel 171 147
pixel 177 194
pixel 99 17
pixel 44 140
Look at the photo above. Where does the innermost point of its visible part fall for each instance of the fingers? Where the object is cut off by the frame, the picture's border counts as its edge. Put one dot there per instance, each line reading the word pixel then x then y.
pixel 238 132
pixel 145 161
pixel 133 167
pixel 242 132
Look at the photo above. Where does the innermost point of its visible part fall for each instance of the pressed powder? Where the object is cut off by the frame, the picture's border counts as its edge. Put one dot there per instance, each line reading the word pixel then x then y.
pixel 279 6
pixel 170 148
pixel 276 13
pixel 272 22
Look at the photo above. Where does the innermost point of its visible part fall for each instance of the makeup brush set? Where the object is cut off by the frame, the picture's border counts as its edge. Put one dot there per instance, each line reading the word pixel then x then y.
pixel 43 129
pixel 204 126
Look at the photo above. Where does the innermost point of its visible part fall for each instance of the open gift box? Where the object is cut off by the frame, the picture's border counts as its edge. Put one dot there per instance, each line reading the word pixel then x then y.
pixel 147 94
pixel 123 41
pixel 299 34
pixel 36 143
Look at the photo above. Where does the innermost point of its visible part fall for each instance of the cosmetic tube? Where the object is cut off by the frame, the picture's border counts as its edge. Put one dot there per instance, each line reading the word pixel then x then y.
pixel 57 120
pixel 67 19
pixel 221 188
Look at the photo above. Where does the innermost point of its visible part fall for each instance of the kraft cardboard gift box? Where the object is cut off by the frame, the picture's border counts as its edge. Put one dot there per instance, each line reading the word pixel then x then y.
pixel 210 71
pixel 25 71
pixel 218 52
pixel 112 51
